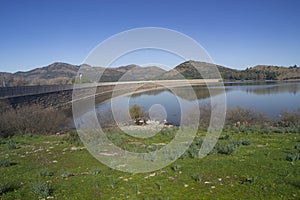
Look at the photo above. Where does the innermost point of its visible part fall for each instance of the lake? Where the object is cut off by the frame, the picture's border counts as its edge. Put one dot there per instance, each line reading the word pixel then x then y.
pixel 271 98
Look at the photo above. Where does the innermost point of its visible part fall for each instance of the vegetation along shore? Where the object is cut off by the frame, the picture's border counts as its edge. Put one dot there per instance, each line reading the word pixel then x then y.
pixel 255 157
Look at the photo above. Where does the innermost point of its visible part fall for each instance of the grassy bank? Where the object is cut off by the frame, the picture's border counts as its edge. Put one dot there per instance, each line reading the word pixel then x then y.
pixel 245 164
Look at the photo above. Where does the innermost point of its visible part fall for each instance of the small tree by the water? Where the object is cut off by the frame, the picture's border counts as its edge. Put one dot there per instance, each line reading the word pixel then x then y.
pixel 136 113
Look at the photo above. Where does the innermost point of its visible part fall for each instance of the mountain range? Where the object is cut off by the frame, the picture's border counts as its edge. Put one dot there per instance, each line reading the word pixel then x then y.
pixel 64 73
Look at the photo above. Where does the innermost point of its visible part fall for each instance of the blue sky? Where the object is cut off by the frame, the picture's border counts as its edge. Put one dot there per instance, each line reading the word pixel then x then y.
pixel 237 34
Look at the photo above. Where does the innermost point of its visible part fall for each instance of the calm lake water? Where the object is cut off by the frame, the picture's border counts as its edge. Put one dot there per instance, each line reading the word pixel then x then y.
pixel 270 98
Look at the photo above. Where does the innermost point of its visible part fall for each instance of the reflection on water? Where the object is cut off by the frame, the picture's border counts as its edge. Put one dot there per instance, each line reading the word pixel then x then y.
pixel 267 88
pixel 188 93
pixel 270 98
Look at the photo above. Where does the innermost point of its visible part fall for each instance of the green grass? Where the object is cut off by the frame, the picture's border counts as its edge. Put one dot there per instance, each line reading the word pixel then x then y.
pixel 259 168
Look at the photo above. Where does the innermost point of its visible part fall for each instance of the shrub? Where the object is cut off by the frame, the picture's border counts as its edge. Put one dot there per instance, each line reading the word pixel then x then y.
pixel 159 186
pixel 42 189
pixel 7 187
pixel 3 187
pixel 45 172
pixel 246 142
pixel 197 178
pixel 225 137
pixel 30 119
pixel 279 129
pixel 268 130
pixel 290 118
pixel 73 138
pixel 136 113
pixel 11 144
pixel 297 146
pixel 175 167
pixel 114 183
pixel 205 114
pixel 193 150
pixel 4 106
pixel 241 116
pixel 198 141
pixel 2 141
pixel 235 143
pixel 192 115
pixel 292 157
pixel 96 171
pixel 227 148
pixel 4 162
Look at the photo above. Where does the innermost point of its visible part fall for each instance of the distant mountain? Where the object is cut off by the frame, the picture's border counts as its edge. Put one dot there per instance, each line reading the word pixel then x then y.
pixel 190 70
pixel 54 70
pixel 56 73
pixel 63 73
pixel 123 73
pixel 138 73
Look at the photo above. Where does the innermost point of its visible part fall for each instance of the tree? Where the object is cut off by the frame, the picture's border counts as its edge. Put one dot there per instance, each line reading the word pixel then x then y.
pixel 136 112
pixel 261 75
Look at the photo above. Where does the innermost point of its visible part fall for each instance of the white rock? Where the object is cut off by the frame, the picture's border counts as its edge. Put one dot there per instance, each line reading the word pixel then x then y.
pixel 153 174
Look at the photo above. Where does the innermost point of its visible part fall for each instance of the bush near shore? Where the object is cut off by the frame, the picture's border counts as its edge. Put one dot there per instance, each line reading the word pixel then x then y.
pixel 30 119
pixel 34 119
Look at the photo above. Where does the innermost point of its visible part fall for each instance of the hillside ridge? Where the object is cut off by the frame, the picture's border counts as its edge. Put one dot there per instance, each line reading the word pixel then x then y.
pixel 65 73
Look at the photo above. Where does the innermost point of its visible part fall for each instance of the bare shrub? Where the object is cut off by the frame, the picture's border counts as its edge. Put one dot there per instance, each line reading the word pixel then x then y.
pixel 6 126
pixel 32 119
pixel 290 118
pixel 4 106
pixel 206 110
pixel 205 114
pixel 106 118
pixel 245 116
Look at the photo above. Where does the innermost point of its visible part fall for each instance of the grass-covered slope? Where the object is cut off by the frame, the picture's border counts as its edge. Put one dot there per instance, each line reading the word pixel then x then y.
pixel 245 164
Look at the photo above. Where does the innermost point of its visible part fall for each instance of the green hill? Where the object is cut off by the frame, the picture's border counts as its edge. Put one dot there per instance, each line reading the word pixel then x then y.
pixel 190 70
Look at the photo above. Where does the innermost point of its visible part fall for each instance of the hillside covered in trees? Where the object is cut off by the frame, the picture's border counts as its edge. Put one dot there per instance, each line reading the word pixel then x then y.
pixel 265 72
pixel 191 69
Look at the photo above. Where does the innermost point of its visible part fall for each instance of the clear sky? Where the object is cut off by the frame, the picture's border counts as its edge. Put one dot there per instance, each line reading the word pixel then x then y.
pixel 236 33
